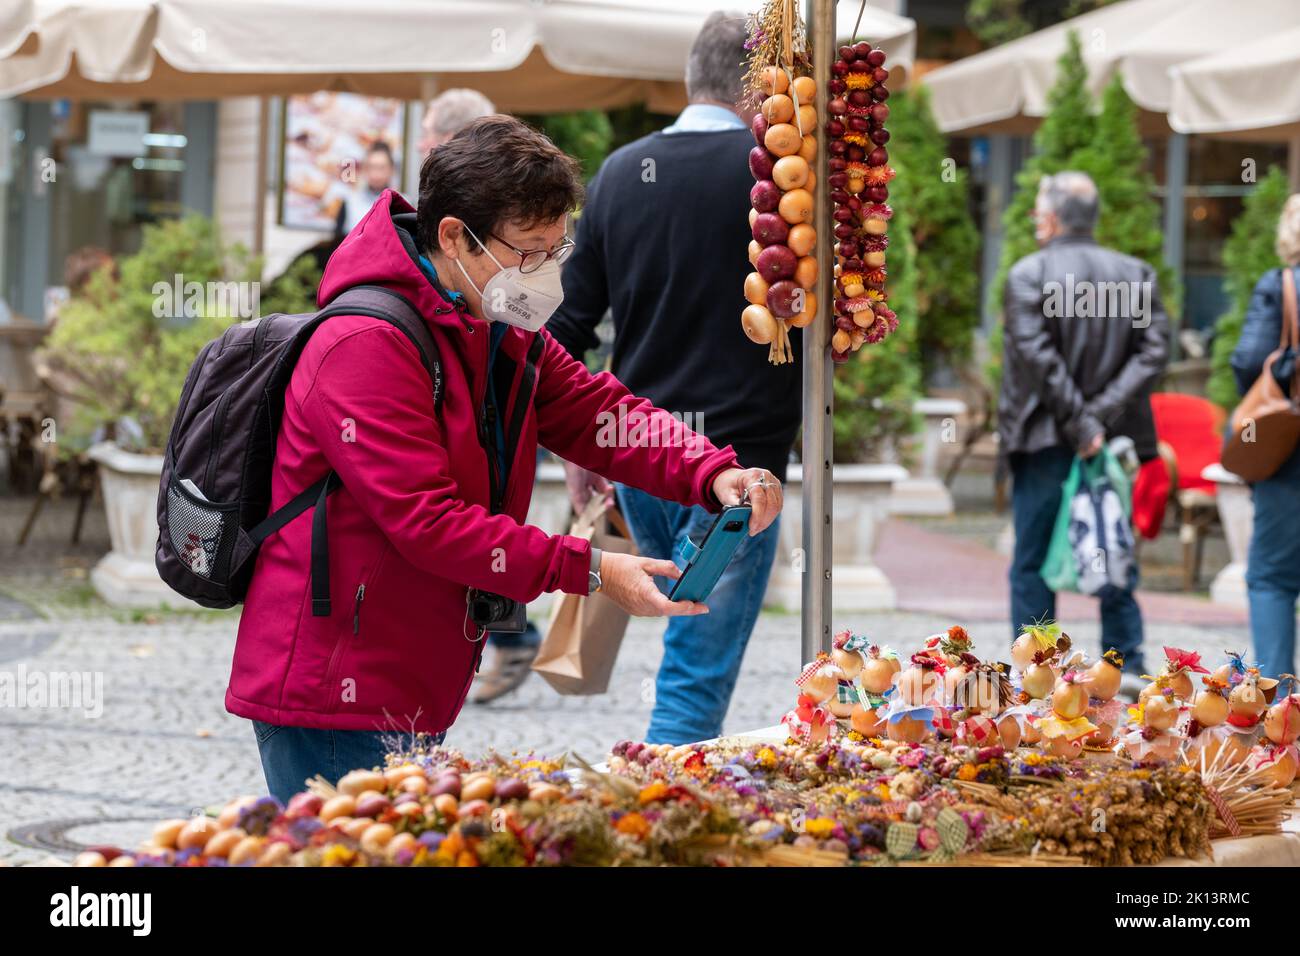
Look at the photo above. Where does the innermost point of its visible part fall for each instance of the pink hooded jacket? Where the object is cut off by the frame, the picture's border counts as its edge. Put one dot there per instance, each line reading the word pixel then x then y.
pixel 411 530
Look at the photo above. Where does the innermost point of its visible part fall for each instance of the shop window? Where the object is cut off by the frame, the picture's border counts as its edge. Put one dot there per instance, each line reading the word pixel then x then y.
pixel 120 167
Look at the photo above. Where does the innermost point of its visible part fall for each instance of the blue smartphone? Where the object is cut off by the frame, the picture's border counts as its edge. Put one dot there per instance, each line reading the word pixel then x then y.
pixel 706 561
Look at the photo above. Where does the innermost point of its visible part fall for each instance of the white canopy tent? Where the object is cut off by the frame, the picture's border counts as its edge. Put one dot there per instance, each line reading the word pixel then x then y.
pixel 527 56
pixel 1005 89
pixel 1252 89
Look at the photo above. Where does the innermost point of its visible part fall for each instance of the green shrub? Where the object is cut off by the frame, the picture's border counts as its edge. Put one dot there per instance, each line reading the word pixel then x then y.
pixel 586 135
pixel 875 388
pixel 118 360
pixel 1068 127
pixel 1130 216
pixel 935 194
pixel 1247 255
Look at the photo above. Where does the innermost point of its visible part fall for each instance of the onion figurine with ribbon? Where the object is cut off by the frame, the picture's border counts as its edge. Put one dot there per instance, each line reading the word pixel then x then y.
pixel 812 722
pixel 1066 727
pixel 1246 701
pixel 845 654
pixel 1038 679
pixel 1104 675
pixel 1178 669
pixel 1047 639
pixel 819 679
pixel 918 686
pixel 867 721
pixel 1210 705
pixel 879 670
pixel 1278 753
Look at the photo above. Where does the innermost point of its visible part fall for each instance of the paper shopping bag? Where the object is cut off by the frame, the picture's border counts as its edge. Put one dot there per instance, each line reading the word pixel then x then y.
pixel 585 631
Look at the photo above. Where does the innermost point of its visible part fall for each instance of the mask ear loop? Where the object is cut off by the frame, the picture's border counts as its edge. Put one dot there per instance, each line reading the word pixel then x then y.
pixel 461 267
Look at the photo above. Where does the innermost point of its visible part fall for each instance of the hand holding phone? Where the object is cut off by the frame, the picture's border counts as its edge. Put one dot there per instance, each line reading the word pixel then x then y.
pixel 629 581
pixel 706 561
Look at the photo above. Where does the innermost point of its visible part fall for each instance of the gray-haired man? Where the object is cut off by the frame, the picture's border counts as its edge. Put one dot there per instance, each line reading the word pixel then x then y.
pixel 450 112
pixel 1086 337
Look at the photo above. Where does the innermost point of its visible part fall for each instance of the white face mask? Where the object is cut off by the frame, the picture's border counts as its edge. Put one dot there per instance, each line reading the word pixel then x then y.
pixel 516 298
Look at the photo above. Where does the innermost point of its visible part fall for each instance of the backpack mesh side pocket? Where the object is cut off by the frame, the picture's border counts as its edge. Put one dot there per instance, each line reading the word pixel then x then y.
pixel 202 532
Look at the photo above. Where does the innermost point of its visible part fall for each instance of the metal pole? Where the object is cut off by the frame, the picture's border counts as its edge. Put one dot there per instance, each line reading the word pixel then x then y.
pixel 817 395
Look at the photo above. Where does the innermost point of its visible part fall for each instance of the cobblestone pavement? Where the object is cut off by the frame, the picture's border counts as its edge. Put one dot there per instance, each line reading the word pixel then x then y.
pixel 164 745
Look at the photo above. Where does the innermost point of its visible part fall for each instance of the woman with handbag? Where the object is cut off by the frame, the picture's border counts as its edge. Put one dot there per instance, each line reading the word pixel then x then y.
pixel 1263 449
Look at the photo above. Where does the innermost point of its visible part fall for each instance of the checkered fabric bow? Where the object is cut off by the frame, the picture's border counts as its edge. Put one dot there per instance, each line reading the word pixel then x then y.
pixel 810 670
pixel 976 731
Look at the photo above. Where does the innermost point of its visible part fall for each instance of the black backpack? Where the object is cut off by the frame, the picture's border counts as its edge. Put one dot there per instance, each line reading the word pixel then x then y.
pixel 216 478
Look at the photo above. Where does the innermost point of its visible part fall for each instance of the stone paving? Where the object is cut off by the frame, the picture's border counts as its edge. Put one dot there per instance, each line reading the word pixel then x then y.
pixel 163 744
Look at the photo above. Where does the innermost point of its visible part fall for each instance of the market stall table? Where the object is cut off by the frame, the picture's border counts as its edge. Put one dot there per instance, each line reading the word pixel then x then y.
pixel 1282 849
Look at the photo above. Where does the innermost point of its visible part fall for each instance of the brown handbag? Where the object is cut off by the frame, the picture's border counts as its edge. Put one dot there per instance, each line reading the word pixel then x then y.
pixel 1266 425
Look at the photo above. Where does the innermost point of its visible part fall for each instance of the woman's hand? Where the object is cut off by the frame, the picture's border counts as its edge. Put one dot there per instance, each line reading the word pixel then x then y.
pixel 628 581
pixel 764 494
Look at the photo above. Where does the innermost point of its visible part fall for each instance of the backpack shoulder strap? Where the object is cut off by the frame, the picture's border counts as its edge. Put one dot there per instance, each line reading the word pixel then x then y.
pixel 380 303
pixel 1290 331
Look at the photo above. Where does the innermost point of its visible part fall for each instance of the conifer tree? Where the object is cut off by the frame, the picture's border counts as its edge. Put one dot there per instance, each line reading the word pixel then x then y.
pixel 935 193
pixel 1247 255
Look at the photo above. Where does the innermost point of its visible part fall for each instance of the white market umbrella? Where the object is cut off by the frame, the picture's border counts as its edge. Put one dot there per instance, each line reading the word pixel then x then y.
pixel 17 27
pixel 1142 40
pixel 526 55
pixel 1248 90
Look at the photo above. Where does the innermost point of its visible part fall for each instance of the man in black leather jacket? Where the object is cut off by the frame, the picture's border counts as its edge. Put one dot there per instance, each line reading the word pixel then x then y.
pixel 1085 339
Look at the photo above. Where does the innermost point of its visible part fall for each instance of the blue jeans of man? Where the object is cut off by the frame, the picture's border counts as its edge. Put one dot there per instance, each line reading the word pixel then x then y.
pixel 293 755
pixel 1035 500
pixel 1273 569
pixel 702 653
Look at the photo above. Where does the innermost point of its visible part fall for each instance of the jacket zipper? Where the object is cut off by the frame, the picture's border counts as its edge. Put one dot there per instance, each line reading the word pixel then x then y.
pixel 488 439
pixel 469 679
pixel 356 609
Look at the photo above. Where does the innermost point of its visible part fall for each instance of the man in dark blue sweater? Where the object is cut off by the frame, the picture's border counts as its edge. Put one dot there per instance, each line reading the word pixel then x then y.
pixel 662 244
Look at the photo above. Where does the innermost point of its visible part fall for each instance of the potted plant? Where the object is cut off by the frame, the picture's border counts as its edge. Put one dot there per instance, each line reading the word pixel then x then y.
pixel 119 353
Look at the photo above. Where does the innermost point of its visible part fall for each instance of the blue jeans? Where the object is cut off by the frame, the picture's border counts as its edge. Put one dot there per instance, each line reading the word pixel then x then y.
pixel 1035 500
pixel 1273 569
pixel 702 653
pixel 293 755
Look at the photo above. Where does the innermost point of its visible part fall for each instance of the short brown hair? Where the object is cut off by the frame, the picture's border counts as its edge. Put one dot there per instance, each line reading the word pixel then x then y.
pixel 497 169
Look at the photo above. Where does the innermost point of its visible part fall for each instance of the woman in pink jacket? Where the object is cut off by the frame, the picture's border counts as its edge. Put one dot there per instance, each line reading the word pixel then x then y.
pixel 432 502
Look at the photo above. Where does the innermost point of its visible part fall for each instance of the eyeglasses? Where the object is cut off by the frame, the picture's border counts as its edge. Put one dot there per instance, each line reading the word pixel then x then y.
pixel 531 260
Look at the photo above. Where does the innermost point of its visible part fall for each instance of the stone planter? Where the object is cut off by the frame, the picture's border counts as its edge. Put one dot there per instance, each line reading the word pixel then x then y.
pixel 126 576
pixel 863 495
pixel 924 493
pixel 1237 515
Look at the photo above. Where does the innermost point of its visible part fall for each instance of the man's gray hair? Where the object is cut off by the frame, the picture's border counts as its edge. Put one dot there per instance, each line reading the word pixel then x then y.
pixel 1073 197
pixel 715 69
pixel 451 111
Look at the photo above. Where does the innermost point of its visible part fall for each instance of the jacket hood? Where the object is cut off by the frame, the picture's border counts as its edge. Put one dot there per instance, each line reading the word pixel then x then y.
pixel 382 250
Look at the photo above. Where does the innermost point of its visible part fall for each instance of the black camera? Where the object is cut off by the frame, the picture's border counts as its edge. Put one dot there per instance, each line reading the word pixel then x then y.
pixel 496 614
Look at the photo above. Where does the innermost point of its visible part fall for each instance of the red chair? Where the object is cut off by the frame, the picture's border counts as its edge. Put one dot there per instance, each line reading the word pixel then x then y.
pixel 1189 434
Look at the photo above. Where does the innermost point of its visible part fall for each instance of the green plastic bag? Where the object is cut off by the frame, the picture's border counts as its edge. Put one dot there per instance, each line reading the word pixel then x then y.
pixel 1089 477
